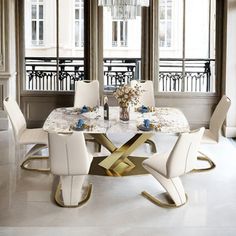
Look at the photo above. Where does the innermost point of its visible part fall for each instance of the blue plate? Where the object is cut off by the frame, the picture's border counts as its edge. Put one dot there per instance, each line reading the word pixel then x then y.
pixel 149 109
pixel 83 127
pixel 143 128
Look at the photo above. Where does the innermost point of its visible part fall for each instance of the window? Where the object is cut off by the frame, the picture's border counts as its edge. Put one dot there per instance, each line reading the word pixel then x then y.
pixel 37 22
pixel 60 62
pixel 79 23
pixel 187 30
pixel 121 50
pixel 165 23
pixel 119 33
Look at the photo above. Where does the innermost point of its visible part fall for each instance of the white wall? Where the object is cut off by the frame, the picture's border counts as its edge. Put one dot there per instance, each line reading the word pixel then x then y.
pixel 230 67
pixel 7 56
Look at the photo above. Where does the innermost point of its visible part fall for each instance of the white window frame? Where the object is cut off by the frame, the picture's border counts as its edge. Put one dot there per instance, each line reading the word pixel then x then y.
pixel 119 42
pixel 166 21
pixel 37 42
pixel 79 5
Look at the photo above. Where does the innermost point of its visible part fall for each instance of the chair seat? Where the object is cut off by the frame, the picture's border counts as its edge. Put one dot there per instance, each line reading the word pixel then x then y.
pixel 208 137
pixel 32 136
pixel 158 163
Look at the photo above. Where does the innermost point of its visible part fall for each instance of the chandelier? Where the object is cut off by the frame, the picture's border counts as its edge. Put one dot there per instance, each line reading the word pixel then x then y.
pixel 124 9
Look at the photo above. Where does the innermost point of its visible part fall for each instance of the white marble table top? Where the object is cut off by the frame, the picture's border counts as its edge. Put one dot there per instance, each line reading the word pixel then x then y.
pixel 165 119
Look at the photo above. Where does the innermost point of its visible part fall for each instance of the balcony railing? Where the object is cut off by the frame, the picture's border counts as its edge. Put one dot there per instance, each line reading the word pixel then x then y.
pixel 175 75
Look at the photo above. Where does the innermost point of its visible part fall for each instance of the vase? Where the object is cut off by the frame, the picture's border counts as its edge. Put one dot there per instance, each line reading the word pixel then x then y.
pixel 124 114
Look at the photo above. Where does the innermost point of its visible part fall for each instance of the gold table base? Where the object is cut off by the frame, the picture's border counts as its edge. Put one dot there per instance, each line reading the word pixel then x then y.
pixel 117 163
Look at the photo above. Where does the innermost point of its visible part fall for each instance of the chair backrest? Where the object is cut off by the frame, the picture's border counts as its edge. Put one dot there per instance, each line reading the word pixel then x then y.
pixel 16 117
pixel 183 157
pixel 147 96
pixel 86 94
pixel 219 115
pixel 68 154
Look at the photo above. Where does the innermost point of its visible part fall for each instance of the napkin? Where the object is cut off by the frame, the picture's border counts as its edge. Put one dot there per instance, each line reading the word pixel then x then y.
pixel 143 109
pixel 84 109
pixel 80 123
pixel 146 123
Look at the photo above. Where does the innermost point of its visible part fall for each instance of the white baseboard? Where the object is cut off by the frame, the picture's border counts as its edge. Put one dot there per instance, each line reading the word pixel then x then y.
pixel 229 132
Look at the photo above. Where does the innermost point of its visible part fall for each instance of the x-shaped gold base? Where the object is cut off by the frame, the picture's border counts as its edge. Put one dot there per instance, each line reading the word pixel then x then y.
pixel 117 163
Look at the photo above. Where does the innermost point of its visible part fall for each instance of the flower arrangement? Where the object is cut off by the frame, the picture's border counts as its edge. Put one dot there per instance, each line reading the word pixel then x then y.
pixel 126 95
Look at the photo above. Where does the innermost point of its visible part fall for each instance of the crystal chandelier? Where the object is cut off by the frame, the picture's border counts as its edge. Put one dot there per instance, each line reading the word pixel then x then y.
pixel 124 9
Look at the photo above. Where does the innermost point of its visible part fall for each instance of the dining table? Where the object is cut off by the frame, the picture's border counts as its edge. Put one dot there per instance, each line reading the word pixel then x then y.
pixel 161 119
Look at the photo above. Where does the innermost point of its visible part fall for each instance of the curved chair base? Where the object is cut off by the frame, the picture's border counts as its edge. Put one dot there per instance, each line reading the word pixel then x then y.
pixel 31 157
pixel 152 144
pixel 160 203
pixel 60 202
pixel 25 164
pixel 207 159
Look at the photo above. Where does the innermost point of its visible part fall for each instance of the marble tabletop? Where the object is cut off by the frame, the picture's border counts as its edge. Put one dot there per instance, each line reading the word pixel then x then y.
pixel 163 119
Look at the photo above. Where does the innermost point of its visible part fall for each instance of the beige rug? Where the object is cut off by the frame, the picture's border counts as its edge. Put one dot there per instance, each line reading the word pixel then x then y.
pixel 95 169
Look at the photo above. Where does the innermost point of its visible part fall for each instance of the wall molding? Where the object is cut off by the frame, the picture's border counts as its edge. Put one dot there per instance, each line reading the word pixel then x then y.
pixel 2 36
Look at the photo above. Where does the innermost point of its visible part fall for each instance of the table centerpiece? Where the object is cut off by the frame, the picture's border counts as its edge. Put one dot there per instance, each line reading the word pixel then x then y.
pixel 126 95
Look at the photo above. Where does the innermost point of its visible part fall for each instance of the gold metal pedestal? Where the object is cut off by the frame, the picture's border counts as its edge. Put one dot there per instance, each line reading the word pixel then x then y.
pixel 117 163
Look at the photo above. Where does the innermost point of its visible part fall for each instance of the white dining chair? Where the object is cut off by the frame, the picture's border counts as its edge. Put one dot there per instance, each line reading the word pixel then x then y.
pixel 86 93
pixel 71 161
pixel 212 135
pixel 23 136
pixel 147 97
pixel 167 168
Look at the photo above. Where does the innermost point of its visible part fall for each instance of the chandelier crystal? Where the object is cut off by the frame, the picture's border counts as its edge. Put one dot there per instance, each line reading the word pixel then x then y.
pixel 124 9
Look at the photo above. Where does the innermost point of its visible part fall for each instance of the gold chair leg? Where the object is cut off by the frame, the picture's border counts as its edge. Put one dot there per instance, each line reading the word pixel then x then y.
pixel 25 164
pixel 30 156
pixel 59 200
pixel 158 202
pixel 207 159
pixel 152 144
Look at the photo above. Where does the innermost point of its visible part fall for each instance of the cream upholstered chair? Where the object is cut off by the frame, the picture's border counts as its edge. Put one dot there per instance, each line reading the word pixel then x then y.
pixel 70 160
pixel 147 99
pixel 86 93
pixel 147 96
pixel 167 167
pixel 23 136
pixel 212 135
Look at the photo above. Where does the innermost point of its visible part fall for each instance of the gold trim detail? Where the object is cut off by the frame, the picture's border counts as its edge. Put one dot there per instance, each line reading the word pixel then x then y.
pixel 25 164
pixel 31 157
pixel 59 200
pixel 159 203
pixel 207 159
pixel 152 144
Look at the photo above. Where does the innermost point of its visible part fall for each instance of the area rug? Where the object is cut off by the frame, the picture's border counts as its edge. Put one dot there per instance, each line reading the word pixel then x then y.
pixel 95 169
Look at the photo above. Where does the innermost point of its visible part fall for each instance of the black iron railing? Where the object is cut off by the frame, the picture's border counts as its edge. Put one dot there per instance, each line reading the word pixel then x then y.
pixel 189 75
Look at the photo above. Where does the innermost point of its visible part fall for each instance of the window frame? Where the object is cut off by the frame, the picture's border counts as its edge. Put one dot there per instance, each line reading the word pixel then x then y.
pixel 79 5
pixel 183 56
pixel 37 42
pixel 121 28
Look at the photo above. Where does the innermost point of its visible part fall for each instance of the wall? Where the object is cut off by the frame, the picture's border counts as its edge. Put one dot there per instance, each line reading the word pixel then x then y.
pixel 7 56
pixel 229 73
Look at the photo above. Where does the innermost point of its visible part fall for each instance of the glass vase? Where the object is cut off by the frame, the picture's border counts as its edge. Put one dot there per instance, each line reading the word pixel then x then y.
pixel 124 114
